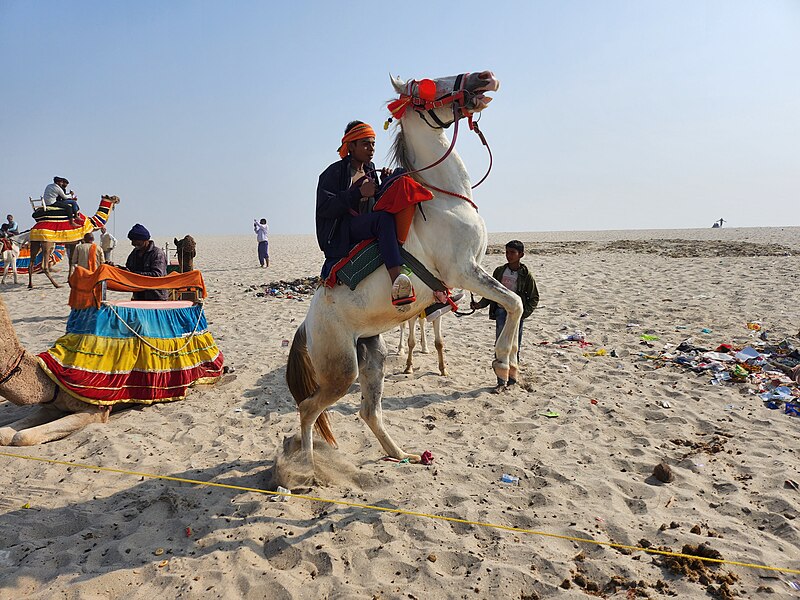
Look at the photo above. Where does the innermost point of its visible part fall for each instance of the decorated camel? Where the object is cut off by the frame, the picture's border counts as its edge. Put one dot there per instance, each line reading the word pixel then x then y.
pixel 113 354
pixel 53 227
pixel 340 339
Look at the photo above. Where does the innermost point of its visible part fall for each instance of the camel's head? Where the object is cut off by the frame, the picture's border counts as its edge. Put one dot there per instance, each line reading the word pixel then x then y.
pixel 186 246
pixel 466 92
pixel 112 199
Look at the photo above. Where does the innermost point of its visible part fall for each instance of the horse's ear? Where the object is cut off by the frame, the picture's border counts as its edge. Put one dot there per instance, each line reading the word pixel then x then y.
pixel 176 241
pixel 399 84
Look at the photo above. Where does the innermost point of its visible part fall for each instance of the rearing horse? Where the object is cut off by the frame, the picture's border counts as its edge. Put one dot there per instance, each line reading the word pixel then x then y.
pixel 340 339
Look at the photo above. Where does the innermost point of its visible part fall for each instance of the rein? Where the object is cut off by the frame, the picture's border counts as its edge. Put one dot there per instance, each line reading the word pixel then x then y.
pixel 14 369
pixel 420 105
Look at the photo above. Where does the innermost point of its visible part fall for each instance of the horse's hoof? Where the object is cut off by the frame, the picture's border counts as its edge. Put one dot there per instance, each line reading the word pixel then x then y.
pixel 414 458
pixel 444 373
pixel 408 370
pixel 500 370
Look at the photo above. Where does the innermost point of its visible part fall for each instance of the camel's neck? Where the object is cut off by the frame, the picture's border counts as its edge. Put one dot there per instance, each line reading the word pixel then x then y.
pixel 28 384
pixel 424 146
pixel 100 218
pixel 9 343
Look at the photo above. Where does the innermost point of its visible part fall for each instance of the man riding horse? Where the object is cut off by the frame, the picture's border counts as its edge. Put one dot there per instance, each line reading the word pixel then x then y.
pixel 345 196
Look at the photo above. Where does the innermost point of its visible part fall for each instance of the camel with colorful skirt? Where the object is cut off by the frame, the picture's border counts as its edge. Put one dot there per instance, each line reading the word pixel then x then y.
pixel 53 226
pixel 113 354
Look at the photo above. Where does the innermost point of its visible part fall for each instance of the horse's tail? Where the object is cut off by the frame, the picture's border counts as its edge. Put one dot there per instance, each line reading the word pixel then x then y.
pixel 302 382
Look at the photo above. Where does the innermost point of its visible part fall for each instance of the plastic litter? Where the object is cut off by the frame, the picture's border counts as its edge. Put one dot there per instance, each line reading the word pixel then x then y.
pixel 281 490
pixel 426 458
pixel 284 343
pixel 550 414
pixel 648 337
pixel 506 478
pixel 705 330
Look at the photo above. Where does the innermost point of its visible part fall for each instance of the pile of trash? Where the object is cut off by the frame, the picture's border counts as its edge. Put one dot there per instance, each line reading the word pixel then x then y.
pixel 773 370
pixel 298 289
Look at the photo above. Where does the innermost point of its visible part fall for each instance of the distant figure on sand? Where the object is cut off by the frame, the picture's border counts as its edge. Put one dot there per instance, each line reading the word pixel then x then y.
pixel 718 223
pixel 261 230
pixel 107 243
pixel 87 254
pixel 146 259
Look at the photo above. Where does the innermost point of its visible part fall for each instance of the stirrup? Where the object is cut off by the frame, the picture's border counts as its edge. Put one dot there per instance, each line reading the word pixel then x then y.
pixel 404 300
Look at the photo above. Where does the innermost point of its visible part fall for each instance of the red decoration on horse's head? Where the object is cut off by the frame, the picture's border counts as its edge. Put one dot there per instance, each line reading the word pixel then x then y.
pixel 426 88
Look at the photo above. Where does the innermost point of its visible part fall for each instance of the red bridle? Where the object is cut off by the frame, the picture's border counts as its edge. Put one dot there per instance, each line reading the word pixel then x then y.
pixel 427 102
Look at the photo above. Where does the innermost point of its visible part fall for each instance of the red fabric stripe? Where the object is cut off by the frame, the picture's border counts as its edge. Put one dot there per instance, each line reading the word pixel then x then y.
pixel 131 387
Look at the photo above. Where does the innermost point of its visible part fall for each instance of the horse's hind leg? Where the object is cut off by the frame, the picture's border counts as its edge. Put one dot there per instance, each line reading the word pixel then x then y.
pixel 412 343
pixel 371 360
pixel 423 339
pixel 439 343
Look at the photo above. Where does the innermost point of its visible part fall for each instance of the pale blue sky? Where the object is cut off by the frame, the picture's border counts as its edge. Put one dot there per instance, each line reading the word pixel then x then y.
pixel 204 115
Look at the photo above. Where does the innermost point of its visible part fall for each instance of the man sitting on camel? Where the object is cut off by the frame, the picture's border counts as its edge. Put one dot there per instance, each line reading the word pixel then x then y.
pixel 345 196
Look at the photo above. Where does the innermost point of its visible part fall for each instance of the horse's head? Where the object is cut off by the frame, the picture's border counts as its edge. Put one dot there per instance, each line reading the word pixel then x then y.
pixel 441 98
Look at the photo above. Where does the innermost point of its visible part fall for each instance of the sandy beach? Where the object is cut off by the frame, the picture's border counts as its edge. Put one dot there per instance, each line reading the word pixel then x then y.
pixel 68 532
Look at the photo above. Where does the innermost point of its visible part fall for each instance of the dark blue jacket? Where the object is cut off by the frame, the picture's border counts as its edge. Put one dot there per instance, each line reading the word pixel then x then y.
pixel 335 199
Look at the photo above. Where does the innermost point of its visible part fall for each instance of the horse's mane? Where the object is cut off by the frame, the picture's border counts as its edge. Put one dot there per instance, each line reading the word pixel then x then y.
pixel 398 153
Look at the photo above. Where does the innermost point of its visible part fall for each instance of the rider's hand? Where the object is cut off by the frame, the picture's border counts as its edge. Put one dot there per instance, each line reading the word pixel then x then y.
pixel 386 171
pixel 367 189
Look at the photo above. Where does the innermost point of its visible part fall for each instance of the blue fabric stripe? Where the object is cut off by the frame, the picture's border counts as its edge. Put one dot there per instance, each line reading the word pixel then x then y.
pixel 148 322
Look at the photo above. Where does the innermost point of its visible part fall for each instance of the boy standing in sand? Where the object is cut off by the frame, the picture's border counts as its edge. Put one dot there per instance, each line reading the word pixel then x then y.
pixel 514 276
pixel 261 231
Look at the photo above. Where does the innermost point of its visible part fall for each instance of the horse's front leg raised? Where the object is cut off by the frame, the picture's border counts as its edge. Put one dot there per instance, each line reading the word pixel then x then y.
pixel 371 361
pixel 506 347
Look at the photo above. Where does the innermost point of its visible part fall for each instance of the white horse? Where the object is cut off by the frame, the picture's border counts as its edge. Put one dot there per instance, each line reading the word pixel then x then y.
pixel 438 341
pixel 340 339
pixel 10 257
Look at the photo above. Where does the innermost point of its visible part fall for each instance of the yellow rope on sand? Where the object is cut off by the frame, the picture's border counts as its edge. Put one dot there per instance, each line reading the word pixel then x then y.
pixel 411 513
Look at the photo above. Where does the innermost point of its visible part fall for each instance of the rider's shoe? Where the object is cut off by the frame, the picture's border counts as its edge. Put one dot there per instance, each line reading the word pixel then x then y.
pixel 403 291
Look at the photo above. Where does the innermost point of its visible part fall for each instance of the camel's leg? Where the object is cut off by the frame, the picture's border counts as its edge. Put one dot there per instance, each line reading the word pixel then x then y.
pixel 412 343
pixel 59 428
pixel 42 414
pixel 46 249
pixel 371 361
pixel 483 284
pixel 439 343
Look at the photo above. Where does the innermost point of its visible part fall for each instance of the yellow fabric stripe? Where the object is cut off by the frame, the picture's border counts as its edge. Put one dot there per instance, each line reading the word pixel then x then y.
pixel 114 355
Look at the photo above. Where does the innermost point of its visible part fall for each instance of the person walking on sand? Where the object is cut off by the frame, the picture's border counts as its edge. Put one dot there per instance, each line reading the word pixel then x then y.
pixel 87 254
pixel 516 277
pixel 261 230
pixel 107 243
pixel 343 216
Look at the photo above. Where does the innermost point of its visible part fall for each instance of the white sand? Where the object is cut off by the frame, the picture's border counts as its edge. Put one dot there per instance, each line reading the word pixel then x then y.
pixel 94 534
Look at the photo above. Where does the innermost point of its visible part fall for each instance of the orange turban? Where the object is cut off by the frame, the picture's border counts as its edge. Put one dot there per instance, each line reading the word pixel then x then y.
pixel 359 132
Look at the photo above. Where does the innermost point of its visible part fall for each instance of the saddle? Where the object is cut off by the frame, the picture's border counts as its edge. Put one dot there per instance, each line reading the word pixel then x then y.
pixel 51 213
